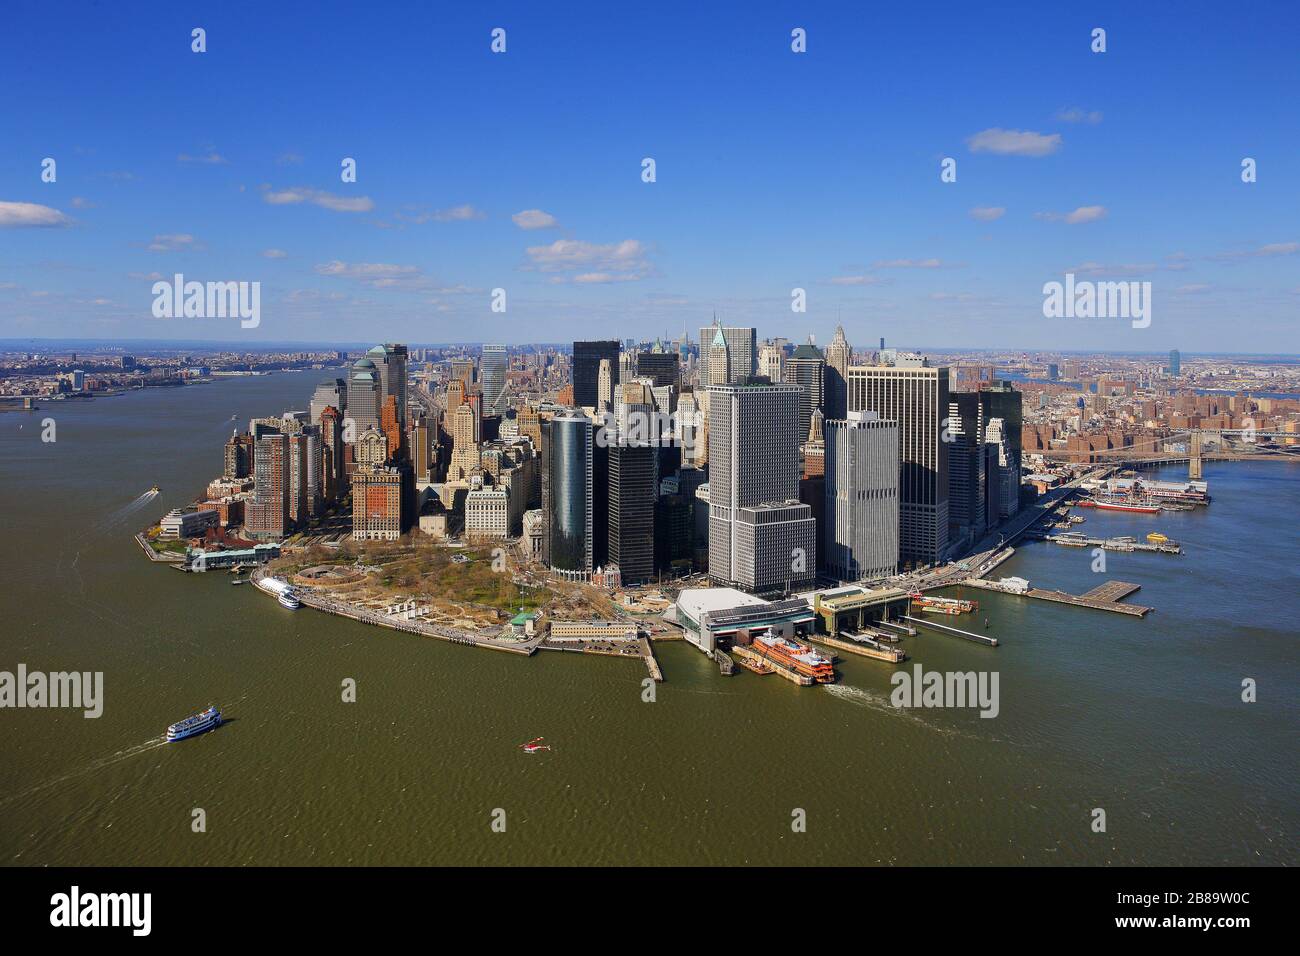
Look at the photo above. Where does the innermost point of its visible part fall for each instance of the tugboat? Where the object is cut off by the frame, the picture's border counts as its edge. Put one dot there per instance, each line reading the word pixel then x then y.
pixel 194 724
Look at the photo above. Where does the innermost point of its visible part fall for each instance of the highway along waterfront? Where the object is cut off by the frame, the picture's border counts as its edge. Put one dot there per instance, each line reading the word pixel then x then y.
pixel 1141 716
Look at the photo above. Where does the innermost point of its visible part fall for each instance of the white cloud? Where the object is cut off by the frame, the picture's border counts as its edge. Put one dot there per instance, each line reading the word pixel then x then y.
pixel 856 280
pixel 172 242
pixel 317 197
pixel 19 215
pixel 415 214
pixel 598 263
pixel 596 278
pixel 1076 115
pixel 1127 268
pixel 386 275
pixel 378 275
pixel 909 264
pixel 1080 215
pixel 534 219
pixel 988 213
pixel 145 276
pixel 211 158
pixel 1267 251
pixel 1196 288
pixel 1014 142
pixel 274 254
pixel 80 202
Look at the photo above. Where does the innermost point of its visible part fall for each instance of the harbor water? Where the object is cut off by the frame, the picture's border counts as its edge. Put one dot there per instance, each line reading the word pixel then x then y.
pixel 1142 718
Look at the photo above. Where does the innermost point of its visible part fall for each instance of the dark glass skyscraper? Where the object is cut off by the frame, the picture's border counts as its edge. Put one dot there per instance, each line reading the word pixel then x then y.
pixel 633 489
pixel 567 499
pixel 807 369
pixel 662 367
pixel 586 369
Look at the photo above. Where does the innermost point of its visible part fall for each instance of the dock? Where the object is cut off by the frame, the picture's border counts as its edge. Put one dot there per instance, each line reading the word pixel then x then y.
pixel 947 629
pixel 863 645
pixel 651 664
pixel 1104 597
pixel 1074 540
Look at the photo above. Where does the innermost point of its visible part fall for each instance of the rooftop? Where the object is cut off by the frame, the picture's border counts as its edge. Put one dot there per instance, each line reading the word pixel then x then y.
pixel 699 601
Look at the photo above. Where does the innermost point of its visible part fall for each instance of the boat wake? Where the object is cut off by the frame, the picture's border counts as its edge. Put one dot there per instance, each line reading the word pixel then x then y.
pixel 95 766
pixel 862 698
pixel 121 514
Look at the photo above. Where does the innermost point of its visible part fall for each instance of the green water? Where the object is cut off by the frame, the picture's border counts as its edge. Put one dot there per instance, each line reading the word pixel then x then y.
pixel 1142 718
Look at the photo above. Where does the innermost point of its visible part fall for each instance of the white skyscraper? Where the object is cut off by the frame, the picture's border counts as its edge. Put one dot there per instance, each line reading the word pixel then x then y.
pixel 860 524
pixel 761 537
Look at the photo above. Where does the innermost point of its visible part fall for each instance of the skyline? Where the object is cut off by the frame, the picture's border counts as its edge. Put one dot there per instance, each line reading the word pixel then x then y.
pixel 522 171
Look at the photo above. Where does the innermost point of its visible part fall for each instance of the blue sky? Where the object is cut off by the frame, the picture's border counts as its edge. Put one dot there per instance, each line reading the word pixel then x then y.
pixel 775 170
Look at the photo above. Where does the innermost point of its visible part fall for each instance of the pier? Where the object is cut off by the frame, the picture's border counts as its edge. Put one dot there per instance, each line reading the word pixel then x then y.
pixel 1104 597
pixel 947 629
pixel 651 664
pixel 863 645
pixel 1076 540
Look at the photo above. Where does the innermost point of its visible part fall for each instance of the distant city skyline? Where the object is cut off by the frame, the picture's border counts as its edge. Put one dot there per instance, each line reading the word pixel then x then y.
pixel 775 171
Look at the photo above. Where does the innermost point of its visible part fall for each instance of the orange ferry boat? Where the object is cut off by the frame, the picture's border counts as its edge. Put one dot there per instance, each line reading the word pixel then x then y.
pixel 799 658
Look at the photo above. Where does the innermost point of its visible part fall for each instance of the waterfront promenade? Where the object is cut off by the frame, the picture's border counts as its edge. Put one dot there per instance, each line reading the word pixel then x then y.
pixel 455 635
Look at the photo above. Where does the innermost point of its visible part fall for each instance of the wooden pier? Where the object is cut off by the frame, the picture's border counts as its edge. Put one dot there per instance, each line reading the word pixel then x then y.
pixel 1104 597
pixel 652 665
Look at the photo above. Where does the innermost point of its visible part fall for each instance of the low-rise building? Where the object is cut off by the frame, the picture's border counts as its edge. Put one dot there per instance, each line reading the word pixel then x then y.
pixel 711 618
pixel 593 630
pixel 187 522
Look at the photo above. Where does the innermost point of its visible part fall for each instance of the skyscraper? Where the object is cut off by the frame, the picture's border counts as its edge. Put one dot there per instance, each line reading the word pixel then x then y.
pixel 1175 363
pixel 1004 476
pixel 915 396
pixel 838 358
pixel 492 373
pixel 390 364
pixel 364 395
pixel 334 392
pixel 267 515
pixel 567 506
pixel 807 369
pixel 333 477
pixel 860 526
pixel 999 400
pixel 761 537
pixel 771 362
pixel 742 353
pixel 633 490
pixel 605 385
pixel 967 464
pixel 659 365
pixel 586 369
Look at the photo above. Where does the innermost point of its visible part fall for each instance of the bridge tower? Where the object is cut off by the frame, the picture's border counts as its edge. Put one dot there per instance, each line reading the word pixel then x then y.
pixel 1194 456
